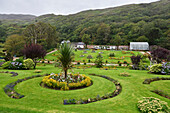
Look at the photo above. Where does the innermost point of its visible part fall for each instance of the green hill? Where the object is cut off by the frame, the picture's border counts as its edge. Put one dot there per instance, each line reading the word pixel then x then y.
pixel 103 25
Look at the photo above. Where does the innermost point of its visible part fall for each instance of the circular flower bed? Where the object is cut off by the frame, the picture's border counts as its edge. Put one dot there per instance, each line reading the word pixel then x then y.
pixel 73 81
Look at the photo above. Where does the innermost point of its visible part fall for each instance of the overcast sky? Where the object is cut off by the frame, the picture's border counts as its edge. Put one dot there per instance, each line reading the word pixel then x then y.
pixel 64 7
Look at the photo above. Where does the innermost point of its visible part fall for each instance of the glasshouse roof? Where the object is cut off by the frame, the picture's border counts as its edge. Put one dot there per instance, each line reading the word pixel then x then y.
pixel 139 46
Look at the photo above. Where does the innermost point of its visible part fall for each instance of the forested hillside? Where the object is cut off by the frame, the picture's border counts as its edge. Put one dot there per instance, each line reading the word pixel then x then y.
pixel 135 22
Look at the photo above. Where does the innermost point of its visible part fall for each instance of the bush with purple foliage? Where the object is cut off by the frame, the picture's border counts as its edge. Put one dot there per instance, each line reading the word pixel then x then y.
pixel 159 54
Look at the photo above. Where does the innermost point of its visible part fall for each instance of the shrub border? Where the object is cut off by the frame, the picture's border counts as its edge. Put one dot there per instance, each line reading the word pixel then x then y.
pixel 13 73
pixel 98 98
pixel 9 88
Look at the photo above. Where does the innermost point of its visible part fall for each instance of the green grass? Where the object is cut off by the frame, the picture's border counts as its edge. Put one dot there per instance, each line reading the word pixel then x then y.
pixel 118 54
pixel 39 99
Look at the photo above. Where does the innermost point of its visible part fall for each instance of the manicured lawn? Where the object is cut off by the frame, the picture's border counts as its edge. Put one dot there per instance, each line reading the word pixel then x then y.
pixel 39 99
pixel 105 54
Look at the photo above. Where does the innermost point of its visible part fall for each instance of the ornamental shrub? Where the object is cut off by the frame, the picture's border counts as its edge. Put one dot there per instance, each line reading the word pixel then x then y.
pixel 156 68
pixel 18 64
pixel 37 71
pixel 28 63
pixel 152 105
pixel 89 57
pixel 125 74
pixel 85 52
pixel 93 51
pixel 111 55
pixel 99 61
pixel 6 65
pixel 166 68
pixel 143 66
pixel 136 61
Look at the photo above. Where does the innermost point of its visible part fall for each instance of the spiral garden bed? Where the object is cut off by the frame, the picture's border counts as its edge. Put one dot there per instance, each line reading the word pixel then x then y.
pixel 37 98
pixel 98 98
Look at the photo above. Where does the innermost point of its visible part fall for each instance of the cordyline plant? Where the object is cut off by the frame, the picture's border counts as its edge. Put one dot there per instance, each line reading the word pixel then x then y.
pixel 34 51
pixel 65 57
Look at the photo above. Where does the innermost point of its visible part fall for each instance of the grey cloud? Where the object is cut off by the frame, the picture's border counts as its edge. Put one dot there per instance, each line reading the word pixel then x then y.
pixel 38 7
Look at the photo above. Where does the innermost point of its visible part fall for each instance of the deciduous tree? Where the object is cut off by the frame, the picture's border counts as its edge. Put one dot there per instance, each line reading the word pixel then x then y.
pixel 117 41
pixel 14 44
pixel 41 33
pixel 142 39
pixel 86 39
pixel 34 51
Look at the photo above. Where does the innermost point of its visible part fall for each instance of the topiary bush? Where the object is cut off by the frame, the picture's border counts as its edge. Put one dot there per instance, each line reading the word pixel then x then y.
pixel 152 105
pixel 28 63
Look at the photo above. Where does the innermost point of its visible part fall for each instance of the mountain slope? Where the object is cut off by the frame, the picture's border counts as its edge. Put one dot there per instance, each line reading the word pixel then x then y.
pixel 16 17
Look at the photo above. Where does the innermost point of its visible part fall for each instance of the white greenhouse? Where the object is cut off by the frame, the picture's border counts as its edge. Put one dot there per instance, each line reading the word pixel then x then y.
pixel 139 46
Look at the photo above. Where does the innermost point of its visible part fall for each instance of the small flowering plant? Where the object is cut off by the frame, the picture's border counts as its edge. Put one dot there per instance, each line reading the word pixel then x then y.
pixel 166 68
pixel 153 105
pixel 71 78
pixel 16 65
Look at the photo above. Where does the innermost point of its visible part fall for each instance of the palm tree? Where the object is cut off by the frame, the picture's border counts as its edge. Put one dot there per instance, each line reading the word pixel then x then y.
pixel 65 57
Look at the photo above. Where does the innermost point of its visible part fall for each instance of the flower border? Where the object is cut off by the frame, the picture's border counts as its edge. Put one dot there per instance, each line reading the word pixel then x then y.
pixel 9 88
